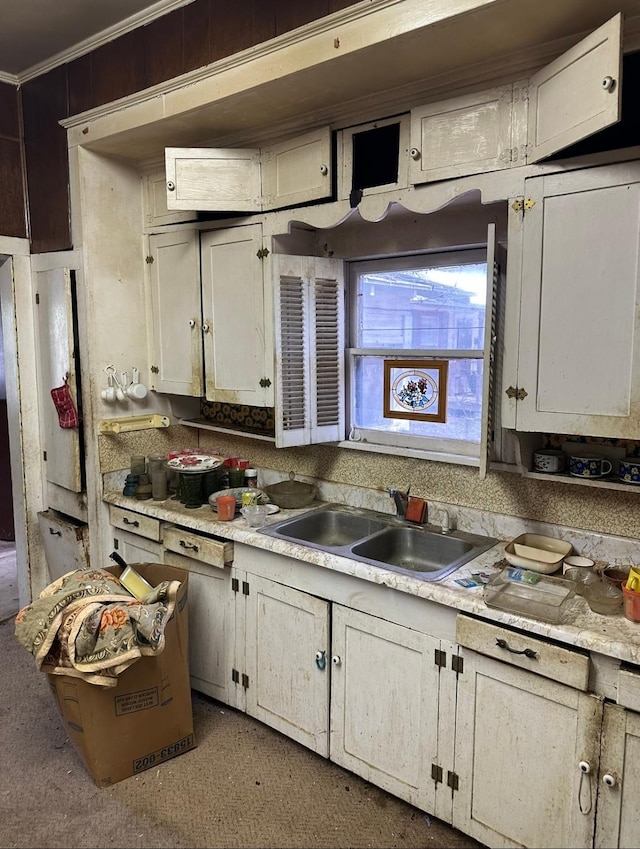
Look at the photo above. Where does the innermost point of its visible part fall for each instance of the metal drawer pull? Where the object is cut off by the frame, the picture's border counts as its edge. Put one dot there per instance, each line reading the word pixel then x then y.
pixel 133 522
pixel 55 533
pixel 188 545
pixel 530 653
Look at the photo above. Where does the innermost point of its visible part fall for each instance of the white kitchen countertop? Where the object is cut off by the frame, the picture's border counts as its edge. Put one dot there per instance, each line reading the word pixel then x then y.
pixel 614 636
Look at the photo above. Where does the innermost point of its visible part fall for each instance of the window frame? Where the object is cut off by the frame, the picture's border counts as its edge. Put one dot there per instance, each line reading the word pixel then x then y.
pixel 435 448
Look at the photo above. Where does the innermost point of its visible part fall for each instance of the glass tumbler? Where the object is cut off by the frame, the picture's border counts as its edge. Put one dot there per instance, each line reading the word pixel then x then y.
pixel 191 489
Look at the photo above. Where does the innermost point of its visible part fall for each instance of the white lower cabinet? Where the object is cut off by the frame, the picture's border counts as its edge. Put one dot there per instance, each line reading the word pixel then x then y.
pixel 385 717
pixel 212 626
pixel 618 811
pixel 488 728
pixel 520 741
pixel 285 659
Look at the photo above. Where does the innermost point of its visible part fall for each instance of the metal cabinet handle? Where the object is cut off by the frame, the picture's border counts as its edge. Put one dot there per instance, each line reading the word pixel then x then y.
pixel 188 545
pixel 530 653
pixel 134 523
pixel 55 533
pixel 321 659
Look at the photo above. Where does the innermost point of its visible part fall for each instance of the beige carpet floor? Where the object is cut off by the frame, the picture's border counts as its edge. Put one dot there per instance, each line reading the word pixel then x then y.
pixel 244 785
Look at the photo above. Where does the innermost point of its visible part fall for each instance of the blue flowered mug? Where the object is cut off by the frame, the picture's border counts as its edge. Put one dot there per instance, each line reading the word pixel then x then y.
pixel 630 470
pixel 589 466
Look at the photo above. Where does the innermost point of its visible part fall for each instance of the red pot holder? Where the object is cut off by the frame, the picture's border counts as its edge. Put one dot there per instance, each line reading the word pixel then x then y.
pixel 67 413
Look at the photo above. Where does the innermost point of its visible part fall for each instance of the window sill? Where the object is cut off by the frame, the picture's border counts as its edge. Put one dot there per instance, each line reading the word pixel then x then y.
pixel 418 454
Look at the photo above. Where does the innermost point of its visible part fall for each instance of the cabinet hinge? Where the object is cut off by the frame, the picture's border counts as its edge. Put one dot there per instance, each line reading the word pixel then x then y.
pixel 245 588
pixel 154 370
pixel 37 298
pixel 457 663
pixel 262 253
pixel 44 456
pixel 235 585
pixel 523 205
pixel 235 676
pixel 116 543
pixel 265 382
pixel 516 392
pixel 148 260
pixel 245 680
pixel 452 780
pixel 436 773
pixel 440 658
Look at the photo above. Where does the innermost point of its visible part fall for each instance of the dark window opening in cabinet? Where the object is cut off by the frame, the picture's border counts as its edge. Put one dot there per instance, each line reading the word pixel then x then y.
pixel 376 154
pixel 626 133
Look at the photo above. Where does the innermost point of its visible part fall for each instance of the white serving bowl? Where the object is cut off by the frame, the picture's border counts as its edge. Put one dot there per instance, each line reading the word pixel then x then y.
pixel 537 552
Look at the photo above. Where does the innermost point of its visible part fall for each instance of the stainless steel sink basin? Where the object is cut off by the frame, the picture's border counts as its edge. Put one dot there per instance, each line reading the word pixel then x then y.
pixel 381 540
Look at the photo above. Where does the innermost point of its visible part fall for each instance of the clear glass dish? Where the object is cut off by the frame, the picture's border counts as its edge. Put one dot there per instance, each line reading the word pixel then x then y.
pixel 530 594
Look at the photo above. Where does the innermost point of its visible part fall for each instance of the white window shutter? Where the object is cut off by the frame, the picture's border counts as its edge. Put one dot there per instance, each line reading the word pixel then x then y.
pixel 490 348
pixel 327 353
pixel 309 338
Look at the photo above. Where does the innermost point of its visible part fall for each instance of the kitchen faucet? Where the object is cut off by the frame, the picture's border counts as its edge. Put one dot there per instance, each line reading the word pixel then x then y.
pixel 401 500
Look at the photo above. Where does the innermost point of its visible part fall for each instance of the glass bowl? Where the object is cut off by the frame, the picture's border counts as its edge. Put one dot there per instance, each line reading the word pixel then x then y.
pixel 256 514
pixel 603 597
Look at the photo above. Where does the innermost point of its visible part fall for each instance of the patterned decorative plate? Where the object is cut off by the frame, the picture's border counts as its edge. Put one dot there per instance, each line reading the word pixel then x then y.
pixel 195 462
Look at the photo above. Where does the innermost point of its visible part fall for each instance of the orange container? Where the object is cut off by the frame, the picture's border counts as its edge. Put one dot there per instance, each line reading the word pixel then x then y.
pixel 631 601
pixel 226 505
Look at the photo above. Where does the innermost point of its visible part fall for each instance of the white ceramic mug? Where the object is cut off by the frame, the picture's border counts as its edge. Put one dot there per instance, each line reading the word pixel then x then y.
pixel 548 460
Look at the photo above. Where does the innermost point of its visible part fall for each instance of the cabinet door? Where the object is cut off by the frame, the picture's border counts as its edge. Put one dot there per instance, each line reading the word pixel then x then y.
pixel 520 740
pixel 384 704
pixel 618 820
pixel 65 543
pixel 295 171
pixel 579 346
pixel 213 179
pixel 577 94
pixel 212 627
pixel 286 658
pixel 136 549
pixel 176 340
pixel 463 135
pixel 154 189
pixel 57 352
pixel 238 335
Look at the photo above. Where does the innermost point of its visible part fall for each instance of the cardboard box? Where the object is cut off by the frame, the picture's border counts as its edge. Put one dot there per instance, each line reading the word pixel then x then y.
pixel 147 717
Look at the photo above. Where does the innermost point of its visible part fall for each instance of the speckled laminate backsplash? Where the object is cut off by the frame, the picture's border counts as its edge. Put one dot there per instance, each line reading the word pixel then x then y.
pixel 601 523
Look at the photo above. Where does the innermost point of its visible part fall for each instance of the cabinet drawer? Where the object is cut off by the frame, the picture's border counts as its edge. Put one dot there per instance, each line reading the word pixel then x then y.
pixel 216 552
pixel 560 664
pixel 629 688
pixel 136 523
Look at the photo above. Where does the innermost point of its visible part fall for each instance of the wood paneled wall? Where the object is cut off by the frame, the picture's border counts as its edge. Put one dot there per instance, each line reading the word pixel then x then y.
pixel 12 200
pixel 181 41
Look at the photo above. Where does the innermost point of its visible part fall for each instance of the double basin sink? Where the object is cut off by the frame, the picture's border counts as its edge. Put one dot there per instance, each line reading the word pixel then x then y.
pixel 381 540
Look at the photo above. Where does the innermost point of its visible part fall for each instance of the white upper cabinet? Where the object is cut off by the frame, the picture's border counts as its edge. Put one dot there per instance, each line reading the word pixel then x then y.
pixel 578 94
pixel 250 180
pixel 175 353
pixel 466 135
pixel 237 326
pixel 579 345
